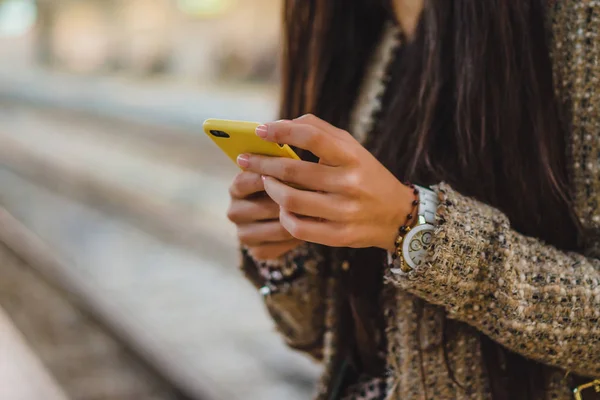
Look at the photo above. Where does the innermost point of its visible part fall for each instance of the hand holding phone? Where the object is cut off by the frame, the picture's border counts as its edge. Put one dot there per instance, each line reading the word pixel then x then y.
pixel 256 217
pixel 239 137
pixel 255 214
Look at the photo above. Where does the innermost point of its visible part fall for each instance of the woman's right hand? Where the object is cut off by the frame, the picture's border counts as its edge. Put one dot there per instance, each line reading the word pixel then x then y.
pixel 256 217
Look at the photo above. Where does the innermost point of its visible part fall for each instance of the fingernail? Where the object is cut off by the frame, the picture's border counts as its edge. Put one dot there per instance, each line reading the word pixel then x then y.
pixel 243 160
pixel 262 131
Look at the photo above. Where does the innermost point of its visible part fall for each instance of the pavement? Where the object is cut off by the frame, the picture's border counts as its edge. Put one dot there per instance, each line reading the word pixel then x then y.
pixel 157 101
pixel 83 357
pixel 134 206
pixel 22 375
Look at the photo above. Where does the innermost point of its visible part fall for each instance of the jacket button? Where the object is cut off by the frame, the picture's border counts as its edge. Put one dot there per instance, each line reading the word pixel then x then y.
pixel 345 266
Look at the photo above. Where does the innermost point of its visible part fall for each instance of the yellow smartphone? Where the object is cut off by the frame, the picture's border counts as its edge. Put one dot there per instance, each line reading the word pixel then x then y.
pixel 239 137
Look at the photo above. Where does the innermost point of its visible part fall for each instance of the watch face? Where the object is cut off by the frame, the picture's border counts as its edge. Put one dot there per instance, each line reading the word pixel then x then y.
pixel 416 244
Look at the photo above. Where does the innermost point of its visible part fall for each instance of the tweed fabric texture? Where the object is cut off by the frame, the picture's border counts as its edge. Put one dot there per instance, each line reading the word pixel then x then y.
pixel 481 275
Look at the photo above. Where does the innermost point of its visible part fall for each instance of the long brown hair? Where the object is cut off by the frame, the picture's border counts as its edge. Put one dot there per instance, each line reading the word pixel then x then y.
pixel 470 102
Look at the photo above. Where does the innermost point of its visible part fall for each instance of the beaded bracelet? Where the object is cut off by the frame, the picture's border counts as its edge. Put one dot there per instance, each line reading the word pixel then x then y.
pixel 404 229
pixel 279 275
pixel 278 279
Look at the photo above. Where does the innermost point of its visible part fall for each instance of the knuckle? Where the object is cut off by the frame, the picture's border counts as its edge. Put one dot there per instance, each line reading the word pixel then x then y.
pixel 244 183
pixel 281 134
pixel 239 177
pixel 351 210
pixel 296 130
pixel 234 188
pixel 256 164
pixel 257 183
pixel 296 230
pixel 342 132
pixel 262 166
pixel 351 183
pixel 232 213
pixel 309 118
pixel 287 200
pixel 288 172
pixel 243 236
pixel 314 137
pixel 283 233
pixel 346 237
pixel 353 155
pixel 270 207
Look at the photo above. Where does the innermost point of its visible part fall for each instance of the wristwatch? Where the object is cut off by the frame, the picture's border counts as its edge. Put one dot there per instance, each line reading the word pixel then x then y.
pixel 416 242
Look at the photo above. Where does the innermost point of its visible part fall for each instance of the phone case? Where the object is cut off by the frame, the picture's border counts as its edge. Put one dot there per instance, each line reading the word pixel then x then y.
pixel 239 137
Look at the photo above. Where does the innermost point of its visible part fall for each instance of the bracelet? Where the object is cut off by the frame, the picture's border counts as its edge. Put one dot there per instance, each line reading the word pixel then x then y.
pixel 278 275
pixel 404 229
pixel 277 272
pixel 279 279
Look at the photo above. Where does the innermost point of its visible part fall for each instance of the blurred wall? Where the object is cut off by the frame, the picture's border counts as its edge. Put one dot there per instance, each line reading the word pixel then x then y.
pixel 155 37
pixel 81 36
pixel 19 51
pixel 235 44
pixel 16 46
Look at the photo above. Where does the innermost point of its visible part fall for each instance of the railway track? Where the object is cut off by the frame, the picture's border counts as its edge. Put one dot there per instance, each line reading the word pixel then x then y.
pixel 125 223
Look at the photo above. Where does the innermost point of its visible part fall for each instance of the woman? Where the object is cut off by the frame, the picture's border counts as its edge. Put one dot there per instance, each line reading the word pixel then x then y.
pixel 491 105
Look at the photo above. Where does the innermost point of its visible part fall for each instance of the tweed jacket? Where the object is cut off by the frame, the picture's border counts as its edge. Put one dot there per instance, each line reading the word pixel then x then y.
pixel 481 276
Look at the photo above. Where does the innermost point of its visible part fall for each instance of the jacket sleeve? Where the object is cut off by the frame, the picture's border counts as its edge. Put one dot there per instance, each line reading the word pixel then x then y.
pixel 528 296
pixel 297 306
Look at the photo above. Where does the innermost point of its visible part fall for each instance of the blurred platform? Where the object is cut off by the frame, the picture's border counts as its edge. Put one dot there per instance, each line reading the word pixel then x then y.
pixel 172 103
pixel 133 213
pixel 22 374
pixel 83 357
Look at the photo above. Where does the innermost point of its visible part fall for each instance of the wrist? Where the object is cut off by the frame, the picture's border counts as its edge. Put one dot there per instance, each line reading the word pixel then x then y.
pixel 403 214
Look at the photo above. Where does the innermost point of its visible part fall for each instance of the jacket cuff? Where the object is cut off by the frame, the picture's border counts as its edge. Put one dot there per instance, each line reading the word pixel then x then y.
pixel 280 273
pixel 466 234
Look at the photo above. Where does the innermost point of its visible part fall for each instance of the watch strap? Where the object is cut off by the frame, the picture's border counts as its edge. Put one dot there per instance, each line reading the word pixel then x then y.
pixel 428 203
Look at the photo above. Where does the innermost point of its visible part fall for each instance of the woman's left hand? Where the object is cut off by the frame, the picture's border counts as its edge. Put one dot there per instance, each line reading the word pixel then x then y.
pixel 351 199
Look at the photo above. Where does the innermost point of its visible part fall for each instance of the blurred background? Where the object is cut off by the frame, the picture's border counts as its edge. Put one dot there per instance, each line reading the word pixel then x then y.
pixel 118 267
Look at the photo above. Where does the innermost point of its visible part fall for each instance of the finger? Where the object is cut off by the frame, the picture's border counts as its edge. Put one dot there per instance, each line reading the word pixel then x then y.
pixel 258 233
pixel 303 202
pixel 243 211
pixel 245 184
pixel 310 119
pixel 315 231
pixel 320 142
pixel 273 251
pixel 305 174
